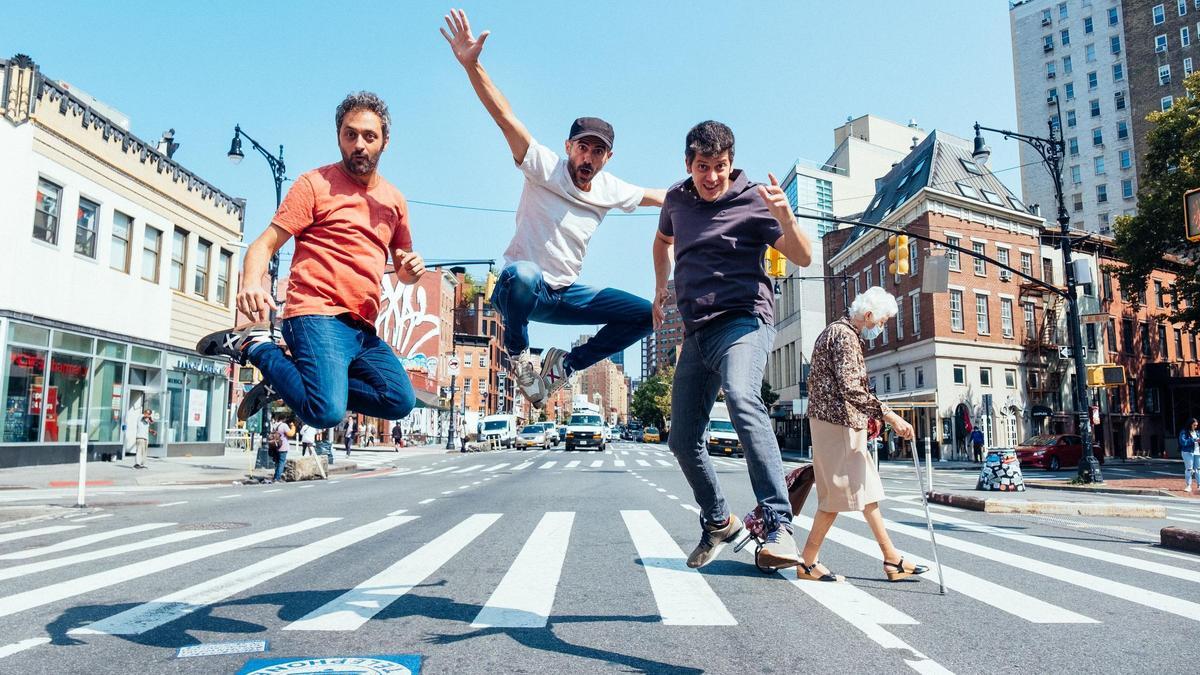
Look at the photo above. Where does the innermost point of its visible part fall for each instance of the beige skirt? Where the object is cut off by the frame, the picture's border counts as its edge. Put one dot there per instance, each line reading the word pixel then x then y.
pixel 844 471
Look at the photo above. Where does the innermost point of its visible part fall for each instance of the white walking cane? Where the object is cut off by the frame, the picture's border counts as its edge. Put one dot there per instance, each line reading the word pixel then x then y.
pixel 929 520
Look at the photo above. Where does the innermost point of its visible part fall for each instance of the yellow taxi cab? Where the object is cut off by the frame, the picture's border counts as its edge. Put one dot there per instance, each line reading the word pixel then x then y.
pixel 650 435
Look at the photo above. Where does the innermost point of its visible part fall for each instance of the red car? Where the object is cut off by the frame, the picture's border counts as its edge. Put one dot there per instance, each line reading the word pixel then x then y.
pixel 1054 451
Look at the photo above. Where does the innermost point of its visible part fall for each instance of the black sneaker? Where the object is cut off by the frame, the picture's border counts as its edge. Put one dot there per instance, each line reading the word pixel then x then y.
pixel 234 343
pixel 256 399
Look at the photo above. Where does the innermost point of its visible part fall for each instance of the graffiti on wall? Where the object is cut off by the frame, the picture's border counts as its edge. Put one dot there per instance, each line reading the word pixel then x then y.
pixel 409 325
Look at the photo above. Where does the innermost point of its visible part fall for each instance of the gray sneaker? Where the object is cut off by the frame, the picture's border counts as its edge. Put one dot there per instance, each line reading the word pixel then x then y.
pixel 712 540
pixel 527 378
pixel 780 550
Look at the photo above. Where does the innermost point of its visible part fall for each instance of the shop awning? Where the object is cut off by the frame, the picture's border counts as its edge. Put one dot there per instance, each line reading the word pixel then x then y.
pixel 427 399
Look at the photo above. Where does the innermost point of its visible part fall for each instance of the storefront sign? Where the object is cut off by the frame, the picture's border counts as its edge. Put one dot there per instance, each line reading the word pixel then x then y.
pixel 205 367
pixel 197 407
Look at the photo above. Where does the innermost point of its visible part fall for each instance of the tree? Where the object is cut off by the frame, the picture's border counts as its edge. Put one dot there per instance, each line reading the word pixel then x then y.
pixel 768 395
pixel 1155 233
pixel 647 400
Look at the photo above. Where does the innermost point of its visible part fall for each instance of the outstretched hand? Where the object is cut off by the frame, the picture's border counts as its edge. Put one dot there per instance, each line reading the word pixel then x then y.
pixel 465 45
pixel 776 199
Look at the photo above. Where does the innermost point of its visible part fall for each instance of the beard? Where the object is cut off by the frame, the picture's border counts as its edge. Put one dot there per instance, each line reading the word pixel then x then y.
pixel 360 164
pixel 582 174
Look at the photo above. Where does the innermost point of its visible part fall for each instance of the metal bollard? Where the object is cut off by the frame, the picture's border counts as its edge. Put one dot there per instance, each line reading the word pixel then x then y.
pixel 81 498
pixel 929 461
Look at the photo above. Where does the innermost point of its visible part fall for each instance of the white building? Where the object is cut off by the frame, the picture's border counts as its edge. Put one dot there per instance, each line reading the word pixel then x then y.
pixel 865 149
pixel 116 260
pixel 1069 55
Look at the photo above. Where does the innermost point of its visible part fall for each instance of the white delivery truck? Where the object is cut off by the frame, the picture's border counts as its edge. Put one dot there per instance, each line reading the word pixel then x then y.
pixel 500 429
pixel 722 439
pixel 585 429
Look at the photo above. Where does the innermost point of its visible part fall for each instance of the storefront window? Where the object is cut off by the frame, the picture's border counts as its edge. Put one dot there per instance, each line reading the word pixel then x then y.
pixel 66 399
pixel 72 342
pixel 196 406
pixel 199 407
pixel 24 392
pixel 107 399
pixel 176 405
pixel 30 335
pixel 150 357
pixel 112 350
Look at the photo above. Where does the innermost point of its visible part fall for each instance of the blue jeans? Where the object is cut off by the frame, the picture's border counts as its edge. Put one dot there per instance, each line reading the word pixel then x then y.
pixel 522 295
pixel 280 462
pixel 730 354
pixel 1191 465
pixel 334 366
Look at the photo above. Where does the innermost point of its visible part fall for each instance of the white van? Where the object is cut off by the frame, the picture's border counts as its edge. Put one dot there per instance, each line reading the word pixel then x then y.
pixel 722 439
pixel 500 429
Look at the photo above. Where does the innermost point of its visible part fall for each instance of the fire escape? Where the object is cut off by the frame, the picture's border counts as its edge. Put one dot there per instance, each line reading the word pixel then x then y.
pixel 1043 367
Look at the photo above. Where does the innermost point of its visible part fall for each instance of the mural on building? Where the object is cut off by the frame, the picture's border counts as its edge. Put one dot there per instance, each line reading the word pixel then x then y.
pixel 409 325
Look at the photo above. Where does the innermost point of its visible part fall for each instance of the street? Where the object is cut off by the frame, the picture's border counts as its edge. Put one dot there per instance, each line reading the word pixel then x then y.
pixel 553 562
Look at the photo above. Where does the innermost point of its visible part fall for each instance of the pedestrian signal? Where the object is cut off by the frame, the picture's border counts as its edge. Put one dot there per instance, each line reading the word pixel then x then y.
pixel 776 263
pixel 1105 375
pixel 898 254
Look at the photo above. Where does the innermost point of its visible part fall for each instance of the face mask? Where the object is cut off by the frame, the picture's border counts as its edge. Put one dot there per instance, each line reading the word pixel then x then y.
pixel 872 332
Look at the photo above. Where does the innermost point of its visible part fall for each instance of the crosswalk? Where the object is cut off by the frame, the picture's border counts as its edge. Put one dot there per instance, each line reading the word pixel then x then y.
pixel 534 561
pixel 513 461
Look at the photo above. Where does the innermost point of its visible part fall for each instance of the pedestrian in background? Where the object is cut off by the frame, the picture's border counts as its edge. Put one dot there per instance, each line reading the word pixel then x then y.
pixel 142 439
pixel 351 432
pixel 397 434
pixel 1189 450
pixel 308 437
pixel 278 445
pixel 839 408
pixel 462 435
pixel 977 443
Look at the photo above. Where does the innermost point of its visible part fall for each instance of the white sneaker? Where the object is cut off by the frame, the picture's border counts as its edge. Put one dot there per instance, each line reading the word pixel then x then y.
pixel 1187 489
pixel 527 379
pixel 554 371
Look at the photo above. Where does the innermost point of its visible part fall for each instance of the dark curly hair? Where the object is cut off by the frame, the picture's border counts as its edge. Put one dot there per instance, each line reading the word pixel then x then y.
pixel 364 100
pixel 710 139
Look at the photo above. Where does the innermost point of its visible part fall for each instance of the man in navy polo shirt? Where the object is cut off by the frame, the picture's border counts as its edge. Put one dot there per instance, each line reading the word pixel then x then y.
pixel 720 224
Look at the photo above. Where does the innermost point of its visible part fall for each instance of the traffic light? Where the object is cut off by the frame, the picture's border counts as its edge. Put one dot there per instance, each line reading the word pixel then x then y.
pixel 1191 209
pixel 489 285
pixel 1105 375
pixel 898 254
pixel 776 263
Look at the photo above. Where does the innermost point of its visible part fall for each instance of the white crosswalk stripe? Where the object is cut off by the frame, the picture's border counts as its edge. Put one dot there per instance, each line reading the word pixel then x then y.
pixel 79 542
pixel 45 565
pixel 684 598
pixel 547 465
pixel 496 467
pixel 14 536
pixel 352 609
pixel 525 595
pixel 142 618
pixel 469 469
pixel 522 466
pixel 572 464
pixel 642 462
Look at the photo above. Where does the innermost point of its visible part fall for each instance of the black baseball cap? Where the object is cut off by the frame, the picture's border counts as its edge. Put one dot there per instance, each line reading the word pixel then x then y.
pixel 592 126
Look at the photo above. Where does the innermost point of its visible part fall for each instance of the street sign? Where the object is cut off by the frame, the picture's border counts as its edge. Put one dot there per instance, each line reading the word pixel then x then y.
pixel 1064 352
pixel 452 365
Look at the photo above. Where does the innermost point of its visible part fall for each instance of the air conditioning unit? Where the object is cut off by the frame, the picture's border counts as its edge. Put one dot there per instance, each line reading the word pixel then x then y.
pixel 1045 21
pixel 1005 275
pixel 1051 99
pixel 1008 334
pixel 1050 48
pixel 1158 49
pixel 1050 75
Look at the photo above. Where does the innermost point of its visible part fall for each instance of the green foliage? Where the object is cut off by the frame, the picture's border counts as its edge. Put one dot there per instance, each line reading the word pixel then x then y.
pixel 652 400
pixel 768 396
pixel 471 288
pixel 1171 167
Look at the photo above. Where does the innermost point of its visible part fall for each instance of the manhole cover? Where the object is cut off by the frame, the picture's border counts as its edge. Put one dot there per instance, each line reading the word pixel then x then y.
pixel 213 526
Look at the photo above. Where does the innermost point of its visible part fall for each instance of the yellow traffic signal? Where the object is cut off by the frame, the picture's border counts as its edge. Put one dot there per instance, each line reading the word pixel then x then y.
pixel 489 285
pixel 898 254
pixel 1105 375
pixel 776 263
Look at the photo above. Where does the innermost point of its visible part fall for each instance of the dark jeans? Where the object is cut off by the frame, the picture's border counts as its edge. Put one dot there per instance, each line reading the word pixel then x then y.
pixel 729 354
pixel 521 295
pixel 334 366
pixel 280 461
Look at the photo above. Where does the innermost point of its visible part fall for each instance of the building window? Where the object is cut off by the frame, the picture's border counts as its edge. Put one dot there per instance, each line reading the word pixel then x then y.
pixel 1073 146
pixel 1110 334
pixel 1006 317
pixel 1002 256
pixel 1048 271
pixel 912 258
pixel 1071 120
pixel 1098 165
pixel 1112 16
pixel 1027 264
pixel 867 276
pixel 1094 107
pixel 882 271
pixel 1162 341
pixel 1127 336
pixel 86 227
pixel 1160 43
pixel 980 263
pixel 951 254
pixel 1077 201
pixel 1178 345
pixel 985 377
pixel 1097 136
pixel 1010 378
pixel 1122 129
pixel 151 250
pixel 1165 103
pixel 903 379
pixel 1144 334
pixel 1090 336
pixel 1127 188
pixel 224 271
pixel 1062 11
pixel 1068 68
pixel 960 374
pixel 203 253
pixel 982 324
pixel 1118 72
pixel 1114 44
pixel 178 258
pixel 1185 36
pixel 956 310
pixel 1089 53
pixel 1164 74
pixel 887 382
pixel 468 358
pixel 1030 328
pixel 1182 7
pixel 1088 27
pixel 915 301
pixel 1119 100
pixel 1159 14
pixel 1101 194
pixel 118 252
pixel 1076 175
pixel 1187 66
pixel 1092 80
pixel 1050 70
pixel 1126 159
pixel 1065 36
pixel 46 211
pixel 899 319
pixel 919 376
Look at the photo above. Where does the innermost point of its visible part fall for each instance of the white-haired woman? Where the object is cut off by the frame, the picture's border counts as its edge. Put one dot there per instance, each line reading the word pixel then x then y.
pixel 840 405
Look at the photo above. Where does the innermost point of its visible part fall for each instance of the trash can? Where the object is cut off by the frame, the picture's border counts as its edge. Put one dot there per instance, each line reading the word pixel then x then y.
pixel 1001 472
pixel 325 448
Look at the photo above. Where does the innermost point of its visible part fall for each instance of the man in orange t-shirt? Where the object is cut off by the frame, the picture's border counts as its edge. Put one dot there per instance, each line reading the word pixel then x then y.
pixel 346 220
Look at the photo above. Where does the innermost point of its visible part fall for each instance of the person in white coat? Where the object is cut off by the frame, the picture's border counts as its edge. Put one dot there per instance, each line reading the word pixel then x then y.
pixel 129 426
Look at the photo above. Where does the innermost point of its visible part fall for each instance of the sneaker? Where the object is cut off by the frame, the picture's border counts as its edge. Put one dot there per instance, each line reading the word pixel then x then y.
pixel 234 343
pixel 713 539
pixel 780 550
pixel 531 385
pixel 554 374
pixel 256 399
pixel 1188 489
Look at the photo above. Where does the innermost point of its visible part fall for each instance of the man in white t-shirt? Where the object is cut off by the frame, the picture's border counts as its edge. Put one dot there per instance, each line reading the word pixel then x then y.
pixel 562 204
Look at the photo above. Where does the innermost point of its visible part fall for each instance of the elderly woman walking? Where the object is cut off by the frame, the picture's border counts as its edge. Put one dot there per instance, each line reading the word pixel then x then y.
pixel 840 405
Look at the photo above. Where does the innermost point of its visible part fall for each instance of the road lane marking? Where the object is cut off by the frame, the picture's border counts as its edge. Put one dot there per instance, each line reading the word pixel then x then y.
pixel 426 501
pixel 597 464
pixel 150 615
pixel 683 596
pixel 441 470
pixel 18 647
pixel 229 497
pixel 522 466
pixel 662 462
pixel 642 462
pixel 547 465
pixel 469 469
pixel 572 464
pixel 525 595
pixel 102 515
pixel 495 467
pixel 13 536
pixel 352 609
pixel 78 542
pixel 171 504
pixel 618 463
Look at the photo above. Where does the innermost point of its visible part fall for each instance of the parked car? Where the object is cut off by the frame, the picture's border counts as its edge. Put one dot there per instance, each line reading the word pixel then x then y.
pixel 651 435
pixel 1054 451
pixel 551 432
pixel 533 436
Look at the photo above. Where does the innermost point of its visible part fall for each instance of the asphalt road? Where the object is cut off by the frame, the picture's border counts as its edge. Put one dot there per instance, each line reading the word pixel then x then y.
pixel 554 562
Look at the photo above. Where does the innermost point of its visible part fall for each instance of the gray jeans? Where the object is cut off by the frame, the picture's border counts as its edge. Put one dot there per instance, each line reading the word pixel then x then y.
pixel 729 354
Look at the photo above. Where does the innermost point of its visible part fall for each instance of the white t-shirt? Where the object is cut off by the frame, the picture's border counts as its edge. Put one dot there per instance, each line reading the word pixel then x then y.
pixel 555 220
pixel 308 434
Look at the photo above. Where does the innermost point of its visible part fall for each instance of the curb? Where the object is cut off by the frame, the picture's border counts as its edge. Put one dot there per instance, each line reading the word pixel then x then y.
pixel 1151 492
pixel 1180 539
pixel 1049 508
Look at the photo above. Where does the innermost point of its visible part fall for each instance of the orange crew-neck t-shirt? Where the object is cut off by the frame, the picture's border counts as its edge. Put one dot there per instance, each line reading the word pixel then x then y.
pixel 344 232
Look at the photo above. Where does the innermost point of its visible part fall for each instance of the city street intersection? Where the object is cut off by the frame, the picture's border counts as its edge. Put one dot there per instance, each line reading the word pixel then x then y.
pixel 555 562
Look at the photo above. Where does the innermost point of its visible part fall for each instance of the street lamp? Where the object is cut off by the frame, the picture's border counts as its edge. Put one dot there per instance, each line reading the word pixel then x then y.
pixel 1051 151
pixel 278 172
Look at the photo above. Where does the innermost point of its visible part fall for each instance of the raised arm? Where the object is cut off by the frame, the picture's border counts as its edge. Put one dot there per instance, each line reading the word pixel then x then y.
pixel 466 49
pixel 662 251
pixel 794 244
pixel 653 197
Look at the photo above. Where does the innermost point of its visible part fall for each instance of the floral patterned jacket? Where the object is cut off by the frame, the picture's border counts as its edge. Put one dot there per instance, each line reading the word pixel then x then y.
pixel 837 381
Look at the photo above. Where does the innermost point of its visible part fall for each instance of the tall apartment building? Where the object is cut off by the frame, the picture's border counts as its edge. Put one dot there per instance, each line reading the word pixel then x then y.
pixel 1161 49
pixel 605 384
pixel 660 348
pixel 1072 55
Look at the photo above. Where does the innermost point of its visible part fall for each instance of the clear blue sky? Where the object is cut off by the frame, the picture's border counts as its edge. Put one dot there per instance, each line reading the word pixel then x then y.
pixel 781 75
